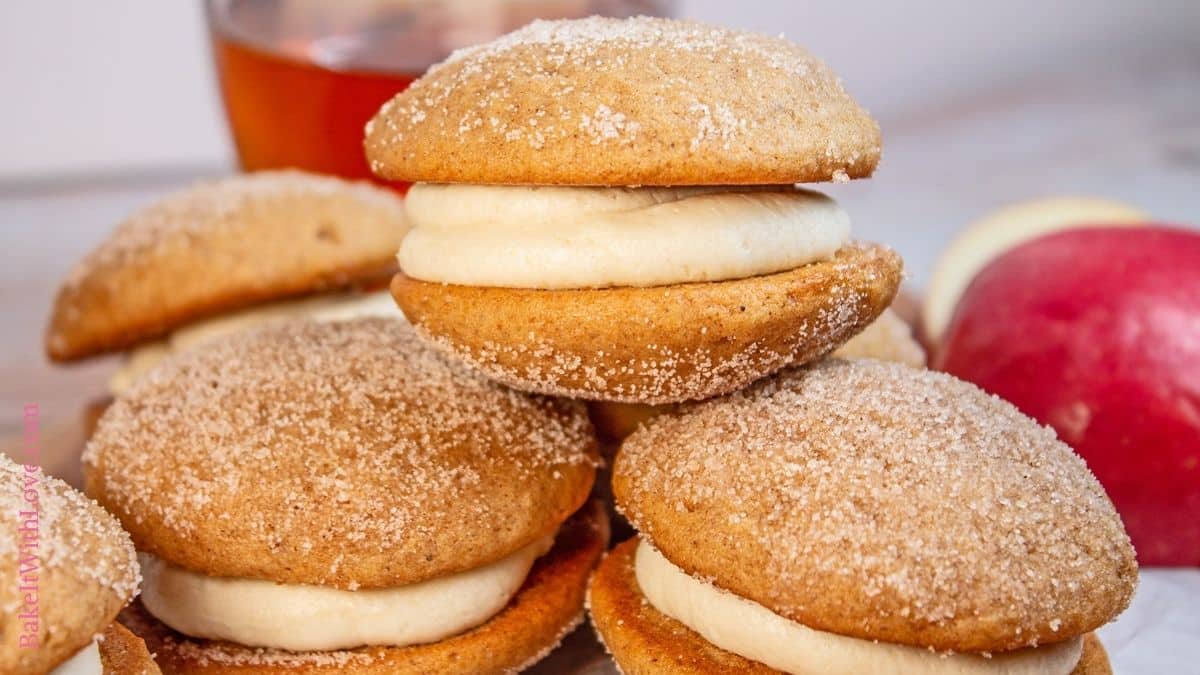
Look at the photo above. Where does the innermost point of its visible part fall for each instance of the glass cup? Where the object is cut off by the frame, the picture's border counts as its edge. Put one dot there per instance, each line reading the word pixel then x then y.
pixel 300 78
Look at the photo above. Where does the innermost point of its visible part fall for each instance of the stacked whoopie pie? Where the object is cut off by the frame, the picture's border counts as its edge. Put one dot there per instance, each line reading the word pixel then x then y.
pixel 607 210
pixel 67 568
pixel 334 497
pixel 223 256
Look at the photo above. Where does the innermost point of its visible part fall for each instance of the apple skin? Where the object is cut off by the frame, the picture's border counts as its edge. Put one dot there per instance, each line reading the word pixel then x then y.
pixel 972 249
pixel 1096 332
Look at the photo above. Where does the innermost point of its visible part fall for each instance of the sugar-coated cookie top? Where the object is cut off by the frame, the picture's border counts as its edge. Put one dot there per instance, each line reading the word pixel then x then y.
pixel 219 246
pixel 640 101
pixel 339 454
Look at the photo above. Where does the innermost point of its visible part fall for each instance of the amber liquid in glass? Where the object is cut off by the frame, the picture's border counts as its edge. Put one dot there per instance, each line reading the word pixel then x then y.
pixel 285 112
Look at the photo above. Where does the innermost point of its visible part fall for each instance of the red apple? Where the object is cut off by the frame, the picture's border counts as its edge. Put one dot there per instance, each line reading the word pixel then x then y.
pixel 1096 332
pixel 973 248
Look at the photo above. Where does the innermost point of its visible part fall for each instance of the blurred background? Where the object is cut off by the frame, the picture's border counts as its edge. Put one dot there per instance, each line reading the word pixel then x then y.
pixel 110 105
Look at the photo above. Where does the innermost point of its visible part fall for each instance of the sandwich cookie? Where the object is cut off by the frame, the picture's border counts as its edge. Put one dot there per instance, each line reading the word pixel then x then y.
pixel 225 255
pixel 859 517
pixel 67 569
pixel 607 209
pixel 888 338
pixel 335 497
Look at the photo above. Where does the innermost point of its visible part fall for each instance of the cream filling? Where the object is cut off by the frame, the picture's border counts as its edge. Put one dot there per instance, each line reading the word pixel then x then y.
pixel 259 613
pixel 750 630
pixel 324 307
pixel 85 662
pixel 591 237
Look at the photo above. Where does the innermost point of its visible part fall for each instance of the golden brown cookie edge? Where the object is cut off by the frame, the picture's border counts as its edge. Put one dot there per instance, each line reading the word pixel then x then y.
pixel 644 641
pixel 672 343
pixel 548 606
pixel 123 653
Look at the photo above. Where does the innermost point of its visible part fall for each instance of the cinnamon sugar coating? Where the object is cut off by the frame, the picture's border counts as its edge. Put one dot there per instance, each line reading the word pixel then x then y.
pixel 219 246
pixel 72 556
pixel 660 344
pixel 644 641
pixel 888 338
pixel 344 454
pixel 883 502
pixel 640 101
pixel 546 608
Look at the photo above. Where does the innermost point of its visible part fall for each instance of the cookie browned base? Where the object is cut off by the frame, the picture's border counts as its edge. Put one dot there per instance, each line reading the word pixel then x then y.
pixel 655 345
pixel 123 653
pixel 644 641
pixel 888 338
pixel 548 606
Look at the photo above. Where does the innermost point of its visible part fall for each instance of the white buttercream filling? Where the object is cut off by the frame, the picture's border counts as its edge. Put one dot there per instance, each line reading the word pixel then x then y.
pixel 750 630
pixel 323 307
pixel 259 613
pixel 85 662
pixel 591 237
